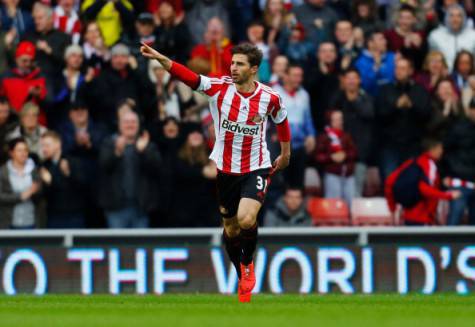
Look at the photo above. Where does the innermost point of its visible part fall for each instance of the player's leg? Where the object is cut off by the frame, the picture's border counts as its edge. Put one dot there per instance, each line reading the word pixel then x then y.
pixel 232 242
pixel 228 197
pixel 247 219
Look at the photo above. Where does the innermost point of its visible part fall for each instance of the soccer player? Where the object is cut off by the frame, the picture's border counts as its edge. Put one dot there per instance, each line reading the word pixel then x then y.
pixel 240 107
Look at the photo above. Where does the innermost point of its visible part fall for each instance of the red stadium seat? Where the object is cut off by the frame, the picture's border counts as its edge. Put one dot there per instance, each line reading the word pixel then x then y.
pixel 328 212
pixel 371 212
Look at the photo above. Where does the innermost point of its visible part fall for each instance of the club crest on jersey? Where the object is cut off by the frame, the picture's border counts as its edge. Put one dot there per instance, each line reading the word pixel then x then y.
pixel 241 129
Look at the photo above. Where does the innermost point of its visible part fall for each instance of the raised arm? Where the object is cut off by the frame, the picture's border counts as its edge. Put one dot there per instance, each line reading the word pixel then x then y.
pixel 177 70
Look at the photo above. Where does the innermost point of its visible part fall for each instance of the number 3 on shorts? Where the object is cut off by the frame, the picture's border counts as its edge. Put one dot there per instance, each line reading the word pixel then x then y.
pixel 261 183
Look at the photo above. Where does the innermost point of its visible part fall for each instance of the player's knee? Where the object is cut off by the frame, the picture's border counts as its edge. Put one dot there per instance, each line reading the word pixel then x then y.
pixel 246 220
pixel 232 228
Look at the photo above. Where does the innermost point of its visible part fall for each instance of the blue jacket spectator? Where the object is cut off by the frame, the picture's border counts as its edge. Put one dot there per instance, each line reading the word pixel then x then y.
pixel 375 64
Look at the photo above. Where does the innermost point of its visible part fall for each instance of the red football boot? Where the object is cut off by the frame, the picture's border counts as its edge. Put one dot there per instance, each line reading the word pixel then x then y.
pixel 248 278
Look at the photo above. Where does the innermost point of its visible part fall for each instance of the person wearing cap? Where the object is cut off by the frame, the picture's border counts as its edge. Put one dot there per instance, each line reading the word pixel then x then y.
pixel 70 86
pixel 49 42
pixel 112 16
pixel 144 33
pixel 117 83
pixel 459 166
pixel 25 82
pixel 81 139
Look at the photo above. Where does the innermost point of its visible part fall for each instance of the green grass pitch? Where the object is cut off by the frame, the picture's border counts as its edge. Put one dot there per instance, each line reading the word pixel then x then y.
pixel 218 310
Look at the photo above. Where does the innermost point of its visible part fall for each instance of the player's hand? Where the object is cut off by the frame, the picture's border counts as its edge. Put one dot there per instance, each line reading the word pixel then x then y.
pixel 280 163
pixel 149 52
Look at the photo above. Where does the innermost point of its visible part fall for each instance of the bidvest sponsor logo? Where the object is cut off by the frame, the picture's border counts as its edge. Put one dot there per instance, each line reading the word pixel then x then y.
pixel 239 128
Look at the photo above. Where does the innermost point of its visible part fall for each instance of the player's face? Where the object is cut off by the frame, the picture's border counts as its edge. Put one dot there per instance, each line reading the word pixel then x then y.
pixel 241 70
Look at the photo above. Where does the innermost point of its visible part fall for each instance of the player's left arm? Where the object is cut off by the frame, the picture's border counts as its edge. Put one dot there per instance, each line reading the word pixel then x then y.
pixel 279 116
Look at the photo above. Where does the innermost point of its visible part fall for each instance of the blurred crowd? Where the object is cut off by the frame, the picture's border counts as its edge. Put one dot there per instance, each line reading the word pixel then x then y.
pixel 94 135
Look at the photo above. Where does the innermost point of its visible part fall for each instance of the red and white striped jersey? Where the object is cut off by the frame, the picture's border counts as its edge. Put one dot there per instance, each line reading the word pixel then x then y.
pixel 240 124
pixel 68 24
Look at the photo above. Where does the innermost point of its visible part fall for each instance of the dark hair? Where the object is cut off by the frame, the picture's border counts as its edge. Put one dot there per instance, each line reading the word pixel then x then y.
pixel 13 143
pixel 254 55
pixel 293 65
pixel 350 70
pixel 4 100
pixel 406 7
pixel 294 188
pixel 459 55
pixel 430 143
pixel 370 34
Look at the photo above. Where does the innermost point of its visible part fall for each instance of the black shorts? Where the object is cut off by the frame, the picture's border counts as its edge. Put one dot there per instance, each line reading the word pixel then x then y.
pixel 232 188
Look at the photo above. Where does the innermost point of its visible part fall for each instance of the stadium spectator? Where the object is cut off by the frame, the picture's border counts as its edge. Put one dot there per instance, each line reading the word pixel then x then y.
pixel 464 67
pixel 294 45
pixel 375 63
pixel 337 154
pixel 172 36
pixel 144 33
pixel 256 36
pixel 64 185
pixel 296 99
pixel 358 116
pixel 322 82
pixel 112 17
pixel 402 110
pixel 404 38
pixel 8 122
pixel 433 70
pixel 275 17
pixel 96 53
pixel 168 137
pixel 129 170
pixel 216 48
pixel 71 85
pixel 453 36
pixel 459 163
pixel 7 47
pixel 81 139
pixel 66 19
pixel 194 175
pixel 318 20
pixel 424 212
pixel 365 16
pixel 198 16
pixel 19 189
pixel 15 19
pixel 29 129
pixel 348 50
pixel 116 84
pixel 24 82
pixel 289 211
pixel 50 43
pixel 279 67
pixel 446 108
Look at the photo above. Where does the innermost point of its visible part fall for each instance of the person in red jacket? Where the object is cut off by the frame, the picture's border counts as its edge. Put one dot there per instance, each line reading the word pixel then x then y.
pixel 336 152
pixel 216 49
pixel 24 83
pixel 423 213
